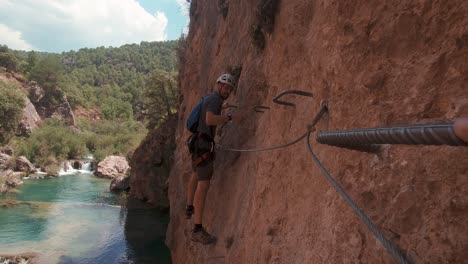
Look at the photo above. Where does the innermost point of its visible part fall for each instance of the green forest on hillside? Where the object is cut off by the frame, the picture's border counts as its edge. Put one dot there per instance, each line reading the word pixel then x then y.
pixel 132 87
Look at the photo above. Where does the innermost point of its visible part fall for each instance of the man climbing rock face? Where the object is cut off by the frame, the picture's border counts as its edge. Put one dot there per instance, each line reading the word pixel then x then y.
pixel 202 158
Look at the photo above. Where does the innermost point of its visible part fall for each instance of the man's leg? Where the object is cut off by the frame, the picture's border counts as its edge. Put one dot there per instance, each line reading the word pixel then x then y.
pixel 199 233
pixel 200 196
pixel 191 187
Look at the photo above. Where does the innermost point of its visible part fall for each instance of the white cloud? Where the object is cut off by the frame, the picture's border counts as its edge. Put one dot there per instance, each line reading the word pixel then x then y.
pixel 59 25
pixel 13 39
pixel 184 6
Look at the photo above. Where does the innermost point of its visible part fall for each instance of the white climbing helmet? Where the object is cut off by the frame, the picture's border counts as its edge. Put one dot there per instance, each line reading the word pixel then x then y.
pixel 227 79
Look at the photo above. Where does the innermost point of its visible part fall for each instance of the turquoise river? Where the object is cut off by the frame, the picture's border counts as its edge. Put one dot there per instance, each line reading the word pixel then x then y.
pixel 76 219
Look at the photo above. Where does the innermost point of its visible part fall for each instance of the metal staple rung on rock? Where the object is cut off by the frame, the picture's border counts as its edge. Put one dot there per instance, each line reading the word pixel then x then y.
pixel 261 108
pixel 317 118
pixel 298 92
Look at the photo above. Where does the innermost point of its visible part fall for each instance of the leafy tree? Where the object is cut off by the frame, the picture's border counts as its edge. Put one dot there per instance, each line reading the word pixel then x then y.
pixel 116 109
pixel 161 97
pixel 31 61
pixel 11 110
pixel 8 59
pixel 3 48
pixel 48 73
pixel 53 140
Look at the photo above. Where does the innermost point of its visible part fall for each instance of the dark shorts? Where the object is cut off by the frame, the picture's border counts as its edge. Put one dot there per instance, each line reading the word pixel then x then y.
pixel 204 170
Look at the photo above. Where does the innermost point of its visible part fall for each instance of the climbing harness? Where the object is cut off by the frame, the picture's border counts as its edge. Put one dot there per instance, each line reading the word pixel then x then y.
pixel 206 156
pixel 200 155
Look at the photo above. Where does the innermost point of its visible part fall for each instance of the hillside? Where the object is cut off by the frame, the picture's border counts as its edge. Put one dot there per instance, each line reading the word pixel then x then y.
pixel 111 81
pixel 378 64
pixel 92 101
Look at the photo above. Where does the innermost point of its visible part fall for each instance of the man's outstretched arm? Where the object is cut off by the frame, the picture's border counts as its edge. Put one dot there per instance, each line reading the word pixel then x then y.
pixel 214 120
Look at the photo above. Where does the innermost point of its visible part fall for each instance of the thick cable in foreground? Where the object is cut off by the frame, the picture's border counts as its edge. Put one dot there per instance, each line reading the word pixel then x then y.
pixel 427 134
pixel 400 258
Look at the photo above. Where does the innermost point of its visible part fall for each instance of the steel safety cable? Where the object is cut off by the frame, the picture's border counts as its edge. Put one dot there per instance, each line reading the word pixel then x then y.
pixel 323 110
pixel 266 148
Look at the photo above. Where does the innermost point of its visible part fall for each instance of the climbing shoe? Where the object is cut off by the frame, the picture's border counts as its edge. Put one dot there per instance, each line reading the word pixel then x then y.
pixel 203 237
pixel 189 211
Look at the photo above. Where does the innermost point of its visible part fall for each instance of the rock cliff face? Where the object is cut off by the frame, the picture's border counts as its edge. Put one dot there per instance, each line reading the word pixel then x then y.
pixel 61 110
pixel 151 163
pixel 30 119
pixel 378 63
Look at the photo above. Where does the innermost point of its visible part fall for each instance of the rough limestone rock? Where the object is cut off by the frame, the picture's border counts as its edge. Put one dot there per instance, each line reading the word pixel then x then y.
pixel 35 92
pixel 24 165
pixel 151 163
pixel 379 63
pixel 11 179
pixel 27 257
pixel 112 166
pixel 4 161
pixel 89 114
pixel 62 110
pixel 29 121
pixel 7 150
pixel 120 183
pixel 65 112
pixel 15 181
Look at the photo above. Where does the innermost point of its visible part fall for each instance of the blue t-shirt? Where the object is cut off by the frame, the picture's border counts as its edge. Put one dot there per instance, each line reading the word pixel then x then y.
pixel 212 103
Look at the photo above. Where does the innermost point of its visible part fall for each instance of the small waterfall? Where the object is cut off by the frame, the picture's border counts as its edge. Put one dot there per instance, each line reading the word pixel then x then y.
pixel 66 169
pixel 81 166
pixel 86 167
pixel 39 171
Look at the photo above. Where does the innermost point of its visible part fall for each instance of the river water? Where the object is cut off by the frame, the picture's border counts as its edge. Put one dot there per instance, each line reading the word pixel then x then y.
pixel 74 218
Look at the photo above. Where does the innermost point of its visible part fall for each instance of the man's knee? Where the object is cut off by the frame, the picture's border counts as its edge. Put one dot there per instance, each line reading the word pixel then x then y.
pixel 203 185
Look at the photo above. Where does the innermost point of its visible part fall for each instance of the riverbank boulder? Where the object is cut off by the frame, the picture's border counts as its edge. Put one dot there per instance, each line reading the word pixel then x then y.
pixel 10 179
pixel 6 150
pixel 24 165
pixel 112 167
pixel 29 257
pixel 120 183
pixel 4 161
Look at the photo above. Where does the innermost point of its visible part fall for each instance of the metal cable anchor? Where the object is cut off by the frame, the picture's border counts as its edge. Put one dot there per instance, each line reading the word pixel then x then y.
pixel 323 110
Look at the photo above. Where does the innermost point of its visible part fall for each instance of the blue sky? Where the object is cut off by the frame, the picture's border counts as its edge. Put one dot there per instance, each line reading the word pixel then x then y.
pixel 176 12
pixel 63 25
